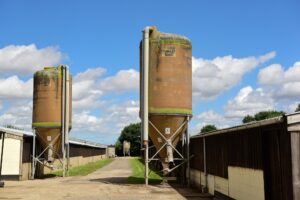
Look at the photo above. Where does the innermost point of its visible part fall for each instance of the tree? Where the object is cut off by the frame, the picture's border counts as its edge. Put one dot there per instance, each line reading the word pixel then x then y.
pixel 208 128
pixel 248 119
pixel 130 133
pixel 298 108
pixel 13 127
pixel 263 115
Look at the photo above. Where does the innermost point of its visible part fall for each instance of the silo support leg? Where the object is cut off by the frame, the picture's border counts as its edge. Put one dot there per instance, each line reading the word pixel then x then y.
pixel 188 157
pixel 1 161
pixel 33 156
pixel 68 158
pixel 146 163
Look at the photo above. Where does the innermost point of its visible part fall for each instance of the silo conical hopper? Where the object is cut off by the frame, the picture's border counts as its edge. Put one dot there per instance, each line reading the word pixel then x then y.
pixel 170 91
pixel 47 109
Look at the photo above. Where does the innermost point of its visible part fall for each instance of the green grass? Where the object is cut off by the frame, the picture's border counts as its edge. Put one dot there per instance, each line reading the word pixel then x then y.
pixel 138 169
pixel 83 169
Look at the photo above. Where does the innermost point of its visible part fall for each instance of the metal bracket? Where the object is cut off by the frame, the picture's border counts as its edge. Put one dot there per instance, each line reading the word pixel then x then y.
pixel 183 161
pixel 1 161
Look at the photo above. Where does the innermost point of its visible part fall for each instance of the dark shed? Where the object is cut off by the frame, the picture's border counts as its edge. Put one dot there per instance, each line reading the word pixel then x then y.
pixel 264 145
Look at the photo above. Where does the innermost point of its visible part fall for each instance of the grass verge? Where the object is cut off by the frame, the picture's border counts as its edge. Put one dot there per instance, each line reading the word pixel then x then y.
pixel 138 170
pixel 83 169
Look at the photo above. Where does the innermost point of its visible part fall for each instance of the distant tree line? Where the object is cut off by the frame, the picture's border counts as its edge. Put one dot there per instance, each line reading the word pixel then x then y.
pixel 262 115
pixel 298 108
pixel 130 133
pixel 208 128
pixel 13 127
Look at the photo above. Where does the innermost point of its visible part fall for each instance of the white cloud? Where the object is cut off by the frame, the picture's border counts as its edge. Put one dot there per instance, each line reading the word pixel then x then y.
pixel 248 102
pixel 289 91
pixel 279 91
pixel 85 89
pixel 111 121
pixel 89 102
pixel 212 77
pixel 271 75
pixel 85 121
pixel 26 59
pixel 284 84
pixel 210 117
pixel 267 57
pixel 292 107
pixel 123 114
pixel 124 80
pixel 12 88
pixel 89 74
pixel 88 87
pixel 292 74
pixel 19 114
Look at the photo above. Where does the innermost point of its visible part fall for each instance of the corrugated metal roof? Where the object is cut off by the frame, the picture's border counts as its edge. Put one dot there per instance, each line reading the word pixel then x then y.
pixel 86 143
pixel 15 131
pixel 72 140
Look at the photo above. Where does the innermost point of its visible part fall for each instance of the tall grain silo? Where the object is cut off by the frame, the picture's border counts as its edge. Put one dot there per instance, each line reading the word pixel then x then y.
pixel 52 111
pixel 166 95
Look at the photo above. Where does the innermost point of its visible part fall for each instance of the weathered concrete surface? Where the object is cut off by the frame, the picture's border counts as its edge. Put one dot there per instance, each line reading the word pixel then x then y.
pixel 110 182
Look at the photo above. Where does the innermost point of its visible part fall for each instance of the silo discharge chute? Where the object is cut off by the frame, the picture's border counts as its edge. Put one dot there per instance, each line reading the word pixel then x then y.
pixel 166 95
pixel 52 115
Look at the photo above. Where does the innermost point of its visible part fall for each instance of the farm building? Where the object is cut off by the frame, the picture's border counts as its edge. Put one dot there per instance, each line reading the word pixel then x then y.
pixel 17 154
pixel 258 160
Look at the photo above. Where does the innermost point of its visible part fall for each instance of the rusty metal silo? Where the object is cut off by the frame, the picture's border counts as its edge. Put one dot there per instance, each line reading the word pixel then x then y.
pixel 169 94
pixel 50 104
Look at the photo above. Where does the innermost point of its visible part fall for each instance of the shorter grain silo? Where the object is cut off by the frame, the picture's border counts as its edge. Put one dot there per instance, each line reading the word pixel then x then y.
pixel 126 148
pixel 49 108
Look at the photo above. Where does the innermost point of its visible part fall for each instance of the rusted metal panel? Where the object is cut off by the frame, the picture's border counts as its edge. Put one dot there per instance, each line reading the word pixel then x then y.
pixel 196 149
pixel 277 162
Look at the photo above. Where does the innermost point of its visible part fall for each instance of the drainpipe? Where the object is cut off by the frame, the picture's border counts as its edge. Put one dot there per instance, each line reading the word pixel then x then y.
pixel 63 119
pixel 67 103
pixel 145 118
pixel 33 154
pixel 188 152
pixel 67 115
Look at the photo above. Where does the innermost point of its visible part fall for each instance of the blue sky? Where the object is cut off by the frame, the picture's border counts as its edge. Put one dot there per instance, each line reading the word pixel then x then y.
pixel 249 50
